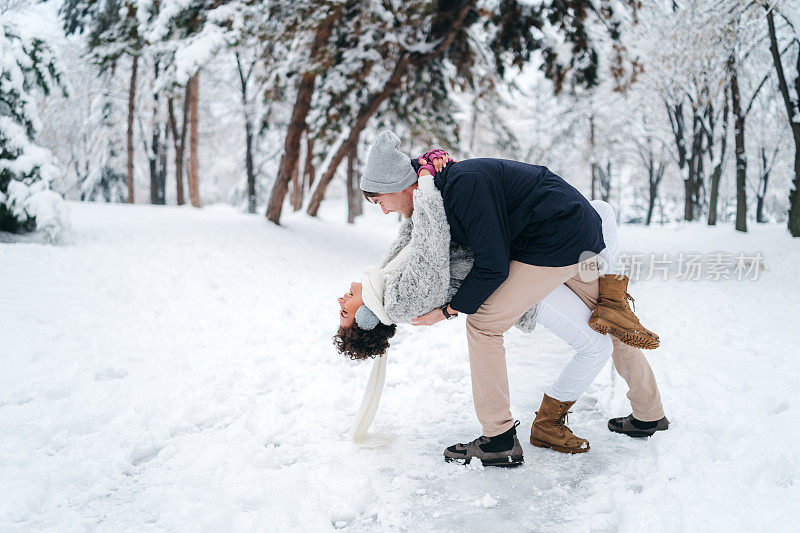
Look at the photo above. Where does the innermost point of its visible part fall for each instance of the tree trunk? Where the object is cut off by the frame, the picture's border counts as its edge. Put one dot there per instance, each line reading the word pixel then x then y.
pixel 192 94
pixel 154 148
pixel 359 203
pixel 650 207
pixel 309 172
pixel 251 177
pixel 162 164
pixel 794 194
pixel 792 110
pixel 675 114
pixel 178 142
pixel 688 206
pixel 291 150
pixel 248 134
pixel 651 204
pixel 699 178
pixel 694 177
pixel 302 104
pixel 655 175
pixel 352 188
pixel 158 155
pixel 712 204
pixel 473 125
pixel 131 100
pixel 296 195
pixel 741 157
pixel 766 167
pixel 716 175
pixel 605 181
pixel 762 187
pixel 364 114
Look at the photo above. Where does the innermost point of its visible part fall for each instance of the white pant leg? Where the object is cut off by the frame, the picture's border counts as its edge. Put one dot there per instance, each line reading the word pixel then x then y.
pixel 564 314
pixel 608 260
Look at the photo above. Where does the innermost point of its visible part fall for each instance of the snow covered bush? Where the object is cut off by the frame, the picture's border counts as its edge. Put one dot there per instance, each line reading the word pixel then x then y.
pixel 26 169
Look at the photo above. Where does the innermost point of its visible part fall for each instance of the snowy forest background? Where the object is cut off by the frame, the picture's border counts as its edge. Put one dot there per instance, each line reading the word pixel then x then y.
pixel 171 367
pixel 671 110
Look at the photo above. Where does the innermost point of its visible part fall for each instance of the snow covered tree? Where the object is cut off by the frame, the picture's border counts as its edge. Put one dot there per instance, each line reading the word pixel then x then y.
pixel 27 65
pixel 260 51
pixel 112 30
pixel 516 31
pixel 686 47
pixel 314 22
pixel 791 30
pixel 189 33
pixel 86 129
pixel 99 168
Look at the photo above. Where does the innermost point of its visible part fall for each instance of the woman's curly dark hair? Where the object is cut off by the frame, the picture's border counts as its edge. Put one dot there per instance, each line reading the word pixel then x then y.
pixel 357 343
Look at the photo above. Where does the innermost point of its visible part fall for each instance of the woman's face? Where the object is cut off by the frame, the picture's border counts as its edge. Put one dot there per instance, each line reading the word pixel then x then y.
pixel 349 304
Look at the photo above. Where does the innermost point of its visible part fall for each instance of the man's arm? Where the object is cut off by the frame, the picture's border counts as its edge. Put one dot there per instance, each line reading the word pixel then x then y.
pixel 478 204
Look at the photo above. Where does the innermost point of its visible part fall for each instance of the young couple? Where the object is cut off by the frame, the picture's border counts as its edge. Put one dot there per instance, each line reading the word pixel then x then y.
pixel 505 243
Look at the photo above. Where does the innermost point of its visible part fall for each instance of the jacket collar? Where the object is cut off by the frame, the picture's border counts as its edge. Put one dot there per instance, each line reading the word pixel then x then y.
pixel 441 177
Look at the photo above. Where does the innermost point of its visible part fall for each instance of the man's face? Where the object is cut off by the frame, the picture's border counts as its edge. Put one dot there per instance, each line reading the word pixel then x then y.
pixel 396 202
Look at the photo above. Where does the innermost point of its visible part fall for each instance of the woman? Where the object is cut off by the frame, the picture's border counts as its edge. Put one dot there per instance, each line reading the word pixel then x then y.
pixel 422 270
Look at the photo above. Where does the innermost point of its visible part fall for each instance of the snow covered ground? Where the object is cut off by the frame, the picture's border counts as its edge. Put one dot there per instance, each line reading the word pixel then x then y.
pixel 172 369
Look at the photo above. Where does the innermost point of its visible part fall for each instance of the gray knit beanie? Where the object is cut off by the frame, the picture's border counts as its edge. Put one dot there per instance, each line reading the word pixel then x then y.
pixel 387 169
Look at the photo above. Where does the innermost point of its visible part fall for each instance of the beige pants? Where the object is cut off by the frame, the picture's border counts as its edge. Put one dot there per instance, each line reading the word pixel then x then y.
pixel 526 286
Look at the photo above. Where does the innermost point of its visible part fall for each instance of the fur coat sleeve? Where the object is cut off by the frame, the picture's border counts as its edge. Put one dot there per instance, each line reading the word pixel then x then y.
pixel 421 282
pixel 403 236
pixel 435 268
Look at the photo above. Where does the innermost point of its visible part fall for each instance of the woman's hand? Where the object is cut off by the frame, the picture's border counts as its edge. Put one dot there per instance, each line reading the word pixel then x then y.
pixel 428 319
pixel 432 317
pixel 436 158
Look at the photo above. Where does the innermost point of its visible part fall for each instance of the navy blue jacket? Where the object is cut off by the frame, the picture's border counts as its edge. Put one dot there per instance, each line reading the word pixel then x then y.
pixel 507 210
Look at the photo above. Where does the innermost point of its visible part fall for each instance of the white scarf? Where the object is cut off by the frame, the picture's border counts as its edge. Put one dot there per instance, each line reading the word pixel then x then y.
pixel 369 405
pixel 373 283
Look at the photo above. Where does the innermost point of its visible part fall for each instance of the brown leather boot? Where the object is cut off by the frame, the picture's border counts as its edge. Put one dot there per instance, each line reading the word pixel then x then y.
pixel 549 429
pixel 612 314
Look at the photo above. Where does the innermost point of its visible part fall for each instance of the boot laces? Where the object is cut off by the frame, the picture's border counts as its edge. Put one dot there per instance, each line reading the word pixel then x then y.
pixel 633 302
pixel 602 300
pixel 480 440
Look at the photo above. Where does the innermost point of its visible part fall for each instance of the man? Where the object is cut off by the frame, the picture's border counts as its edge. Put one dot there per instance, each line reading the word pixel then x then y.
pixel 530 231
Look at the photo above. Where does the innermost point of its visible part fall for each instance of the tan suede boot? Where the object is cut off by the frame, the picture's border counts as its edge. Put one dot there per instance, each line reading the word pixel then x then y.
pixel 549 429
pixel 612 314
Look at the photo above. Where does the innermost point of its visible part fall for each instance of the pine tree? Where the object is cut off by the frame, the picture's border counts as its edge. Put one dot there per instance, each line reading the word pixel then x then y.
pixel 26 169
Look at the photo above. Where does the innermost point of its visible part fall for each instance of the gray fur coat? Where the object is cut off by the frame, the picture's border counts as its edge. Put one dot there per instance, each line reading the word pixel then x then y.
pixel 435 267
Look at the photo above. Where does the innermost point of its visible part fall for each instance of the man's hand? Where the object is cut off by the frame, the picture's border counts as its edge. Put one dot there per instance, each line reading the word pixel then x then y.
pixel 432 317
